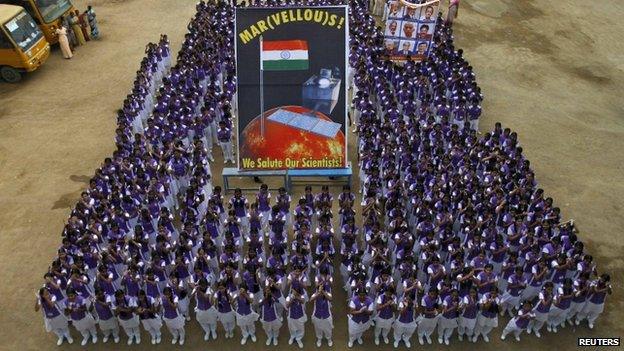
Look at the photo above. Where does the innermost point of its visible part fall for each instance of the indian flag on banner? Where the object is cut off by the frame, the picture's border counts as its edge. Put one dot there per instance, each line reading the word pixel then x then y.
pixel 284 55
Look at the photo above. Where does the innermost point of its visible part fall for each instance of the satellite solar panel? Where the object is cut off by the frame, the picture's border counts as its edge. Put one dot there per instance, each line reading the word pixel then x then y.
pixel 307 123
pixel 282 116
pixel 303 122
pixel 326 128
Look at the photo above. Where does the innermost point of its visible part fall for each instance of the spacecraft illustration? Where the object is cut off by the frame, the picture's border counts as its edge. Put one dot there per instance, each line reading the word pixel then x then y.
pixel 320 93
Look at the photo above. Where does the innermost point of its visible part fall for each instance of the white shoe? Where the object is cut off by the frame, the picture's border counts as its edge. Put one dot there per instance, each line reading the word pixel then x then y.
pixel 548 328
pixel 396 344
pixel 460 337
pixel 59 342
pixel 300 343
pixel 474 338
pixel 244 340
pixel 290 341
pixel 130 341
pixel 377 341
pixel 206 336
pixel 350 344
pixel 84 341
pixel 158 340
pixel 253 337
pixel 408 344
pixel 486 338
pixel 360 341
pixel 577 322
pixel 268 342
pixel 116 339
pixel 420 340
pixel 428 339
pixel 554 329
pixel 386 340
pixel 440 341
pixel 70 340
pixel 330 343
pixel 529 331
pixel 181 341
pixel 537 333
pixel 318 342
pixel 446 341
pixel 94 339
pixel 188 318
pixel 502 336
pixel 153 341
pixel 174 341
pixel 274 341
pixel 591 325
pixel 518 338
pixel 105 339
pixel 137 339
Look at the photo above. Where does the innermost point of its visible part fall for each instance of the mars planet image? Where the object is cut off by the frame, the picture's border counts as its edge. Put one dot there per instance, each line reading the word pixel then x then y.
pixel 284 146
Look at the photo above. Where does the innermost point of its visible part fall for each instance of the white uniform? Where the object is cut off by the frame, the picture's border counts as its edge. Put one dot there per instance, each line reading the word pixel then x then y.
pixel 58 325
pixel 383 325
pixel 130 326
pixel 512 325
pixel 403 331
pixel 297 326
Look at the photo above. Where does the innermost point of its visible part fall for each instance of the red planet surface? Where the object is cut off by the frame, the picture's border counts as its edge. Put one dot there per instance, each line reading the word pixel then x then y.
pixel 284 147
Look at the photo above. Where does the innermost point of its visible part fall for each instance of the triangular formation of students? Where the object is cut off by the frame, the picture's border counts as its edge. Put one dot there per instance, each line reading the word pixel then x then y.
pixel 454 230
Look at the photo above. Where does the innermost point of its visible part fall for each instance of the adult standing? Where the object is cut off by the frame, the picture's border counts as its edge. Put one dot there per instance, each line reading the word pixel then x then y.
pixel 453 8
pixel 65 22
pixel 84 25
pixel 91 17
pixel 75 25
pixel 64 42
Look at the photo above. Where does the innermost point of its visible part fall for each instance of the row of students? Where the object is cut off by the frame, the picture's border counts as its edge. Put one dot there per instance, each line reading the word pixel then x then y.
pixel 466 231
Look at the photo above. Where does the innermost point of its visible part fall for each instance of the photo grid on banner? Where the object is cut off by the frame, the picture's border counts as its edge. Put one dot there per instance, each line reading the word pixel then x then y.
pixel 408 31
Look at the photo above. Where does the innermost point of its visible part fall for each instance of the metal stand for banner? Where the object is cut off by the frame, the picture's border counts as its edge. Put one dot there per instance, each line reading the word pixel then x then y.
pixel 232 172
pixel 330 173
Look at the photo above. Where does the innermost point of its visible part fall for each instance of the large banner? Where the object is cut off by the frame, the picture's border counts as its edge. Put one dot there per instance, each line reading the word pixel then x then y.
pixel 409 30
pixel 292 94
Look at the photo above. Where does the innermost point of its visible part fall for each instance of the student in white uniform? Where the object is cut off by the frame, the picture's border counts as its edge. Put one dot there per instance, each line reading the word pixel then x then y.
pixel 405 322
pixel 360 309
pixel 173 317
pixel 105 316
pixel 594 306
pixel 246 317
pixel 520 322
pixel 487 318
pixel 430 306
pixel 148 310
pixel 53 317
pixel 205 312
pixel 322 318
pixel 77 309
pixel 295 307
pixel 385 304
pixel 467 320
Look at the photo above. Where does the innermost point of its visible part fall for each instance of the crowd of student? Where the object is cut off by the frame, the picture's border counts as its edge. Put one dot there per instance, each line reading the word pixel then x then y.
pixel 469 233
pixel 454 228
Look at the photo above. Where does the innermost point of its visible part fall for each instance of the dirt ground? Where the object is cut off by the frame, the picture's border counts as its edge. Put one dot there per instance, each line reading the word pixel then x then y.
pixel 552 71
